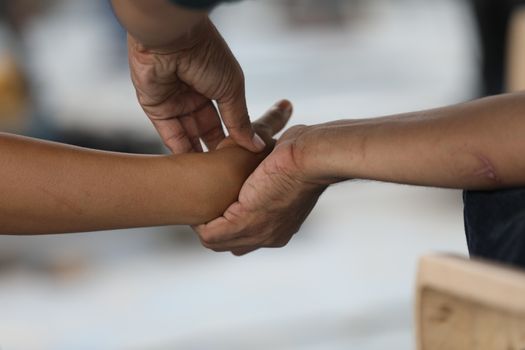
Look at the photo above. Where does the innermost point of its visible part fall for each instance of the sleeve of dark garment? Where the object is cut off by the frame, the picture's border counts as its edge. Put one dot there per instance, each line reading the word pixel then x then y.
pixel 495 225
pixel 199 4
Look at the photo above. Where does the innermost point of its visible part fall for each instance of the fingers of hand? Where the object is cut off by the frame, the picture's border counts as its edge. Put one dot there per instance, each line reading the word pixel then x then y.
pixel 243 251
pixel 275 119
pixel 192 131
pixel 182 133
pixel 173 135
pixel 235 116
pixel 278 243
pixel 209 125
pixel 171 104
pixel 221 236
pixel 173 120
pixel 224 228
pixel 241 247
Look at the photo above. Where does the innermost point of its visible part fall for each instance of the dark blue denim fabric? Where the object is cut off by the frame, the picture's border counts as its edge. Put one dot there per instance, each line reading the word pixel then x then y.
pixel 495 225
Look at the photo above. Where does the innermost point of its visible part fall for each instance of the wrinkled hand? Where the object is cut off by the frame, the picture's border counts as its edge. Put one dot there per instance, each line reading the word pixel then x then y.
pixel 273 203
pixel 176 86
pixel 273 121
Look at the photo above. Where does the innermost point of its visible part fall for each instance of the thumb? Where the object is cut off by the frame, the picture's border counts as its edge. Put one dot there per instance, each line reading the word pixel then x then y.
pixel 234 114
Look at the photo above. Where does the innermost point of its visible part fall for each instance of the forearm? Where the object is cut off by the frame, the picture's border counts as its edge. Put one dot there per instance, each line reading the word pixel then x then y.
pixel 159 23
pixel 52 188
pixel 477 145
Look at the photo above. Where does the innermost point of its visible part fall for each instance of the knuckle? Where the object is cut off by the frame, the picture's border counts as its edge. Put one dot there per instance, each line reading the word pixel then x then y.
pixel 206 245
pixel 281 241
pixel 280 244
pixel 211 246
pixel 296 129
pixel 296 228
pixel 239 251
pixel 206 239
pixel 176 138
pixel 214 134
pixel 262 128
pixel 239 125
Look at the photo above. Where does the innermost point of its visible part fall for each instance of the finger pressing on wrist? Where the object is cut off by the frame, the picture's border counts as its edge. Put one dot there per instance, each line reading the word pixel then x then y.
pixel 234 114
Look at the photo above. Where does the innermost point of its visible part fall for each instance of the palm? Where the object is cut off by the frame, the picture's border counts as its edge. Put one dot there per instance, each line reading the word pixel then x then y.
pixel 273 203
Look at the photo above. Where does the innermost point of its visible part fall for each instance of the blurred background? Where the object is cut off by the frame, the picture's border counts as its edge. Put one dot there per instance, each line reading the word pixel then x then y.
pixel 346 280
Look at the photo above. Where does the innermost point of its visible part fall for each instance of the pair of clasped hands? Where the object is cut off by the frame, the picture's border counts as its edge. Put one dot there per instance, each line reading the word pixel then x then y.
pixel 176 87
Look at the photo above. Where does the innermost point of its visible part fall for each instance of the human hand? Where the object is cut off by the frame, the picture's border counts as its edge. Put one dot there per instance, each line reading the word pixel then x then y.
pixel 176 85
pixel 213 179
pixel 270 123
pixel 272 205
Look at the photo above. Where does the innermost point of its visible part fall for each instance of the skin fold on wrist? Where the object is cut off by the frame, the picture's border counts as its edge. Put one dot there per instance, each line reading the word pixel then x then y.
pixel 313 153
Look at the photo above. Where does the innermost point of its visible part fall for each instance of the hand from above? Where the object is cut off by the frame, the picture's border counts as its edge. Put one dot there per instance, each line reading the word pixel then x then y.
pixel 176 86
pixel 273 202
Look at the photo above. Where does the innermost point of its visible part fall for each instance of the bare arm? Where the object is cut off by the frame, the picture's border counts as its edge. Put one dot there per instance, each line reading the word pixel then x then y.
pixel 53 188
pixel 179 64
pixel 476 145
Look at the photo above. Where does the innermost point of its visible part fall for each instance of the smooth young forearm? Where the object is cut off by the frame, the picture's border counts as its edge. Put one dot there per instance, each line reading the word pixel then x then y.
pixel 53 188
pixel 476 145
pixel 159 23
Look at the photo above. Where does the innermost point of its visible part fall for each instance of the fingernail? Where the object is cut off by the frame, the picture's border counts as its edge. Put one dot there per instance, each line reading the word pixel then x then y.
pixel 258 142
pixel 285 106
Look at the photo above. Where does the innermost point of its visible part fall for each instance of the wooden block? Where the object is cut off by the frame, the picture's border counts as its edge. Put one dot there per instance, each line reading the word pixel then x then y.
pixel 469 305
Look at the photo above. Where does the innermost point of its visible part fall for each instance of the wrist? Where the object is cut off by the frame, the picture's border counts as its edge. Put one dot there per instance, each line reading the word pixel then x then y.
pixel 321 156
pixel 308 153
pixel 195 34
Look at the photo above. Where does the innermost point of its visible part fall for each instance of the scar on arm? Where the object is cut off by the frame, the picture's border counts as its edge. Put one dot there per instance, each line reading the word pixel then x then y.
pixel 487 169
